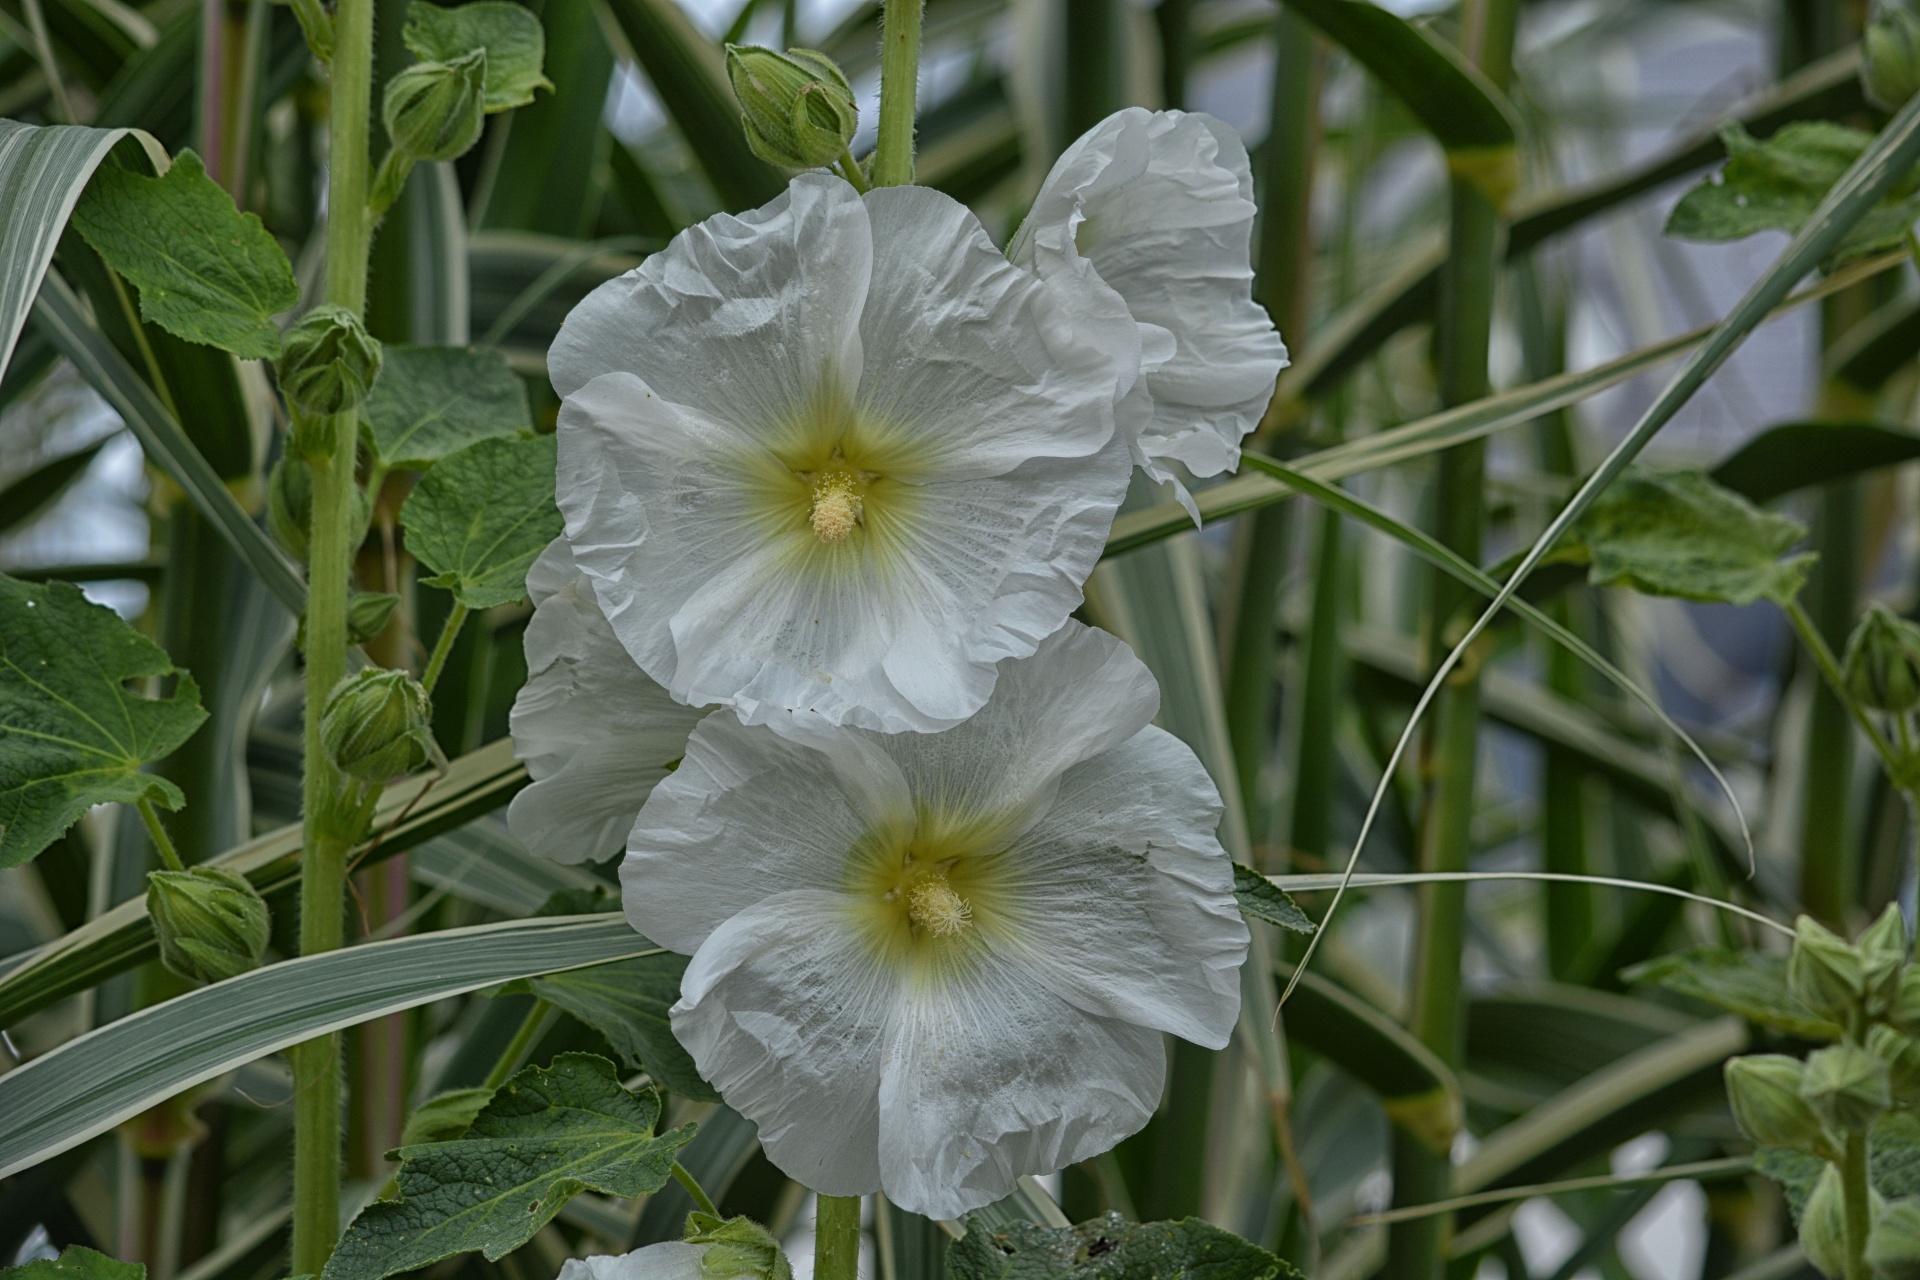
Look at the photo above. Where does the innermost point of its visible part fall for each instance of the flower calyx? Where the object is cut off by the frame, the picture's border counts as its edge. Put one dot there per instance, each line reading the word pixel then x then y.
pixel 1764 1092
pixel 737 1247
pixel 376 726
pixel 328 362
pixel 211 922
pixel 1846 1086
pixel 436 110
pixel 1890 54
pixel 1881 668
pixel 1824 972
pixel 1893 1241
pixel 796 107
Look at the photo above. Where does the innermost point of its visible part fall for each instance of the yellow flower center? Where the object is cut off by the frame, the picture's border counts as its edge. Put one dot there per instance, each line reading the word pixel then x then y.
pixel 935 907
pixel 836 505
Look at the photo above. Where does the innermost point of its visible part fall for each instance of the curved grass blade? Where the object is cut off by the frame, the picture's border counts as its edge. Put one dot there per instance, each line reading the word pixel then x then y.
pixel 1452 563
pixel 1698 1170
pixel 94 1082
pixel 62 318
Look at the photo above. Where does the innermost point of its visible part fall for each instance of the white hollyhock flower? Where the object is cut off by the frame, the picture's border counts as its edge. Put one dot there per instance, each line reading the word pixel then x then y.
pixel 594 731
pixel 1157 206
pixel 931 963
pixel 669 1260
pixel 837 455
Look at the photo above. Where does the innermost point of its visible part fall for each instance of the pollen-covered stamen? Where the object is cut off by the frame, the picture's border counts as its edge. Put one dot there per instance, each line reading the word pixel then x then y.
pixel 935 907
pixel 836 506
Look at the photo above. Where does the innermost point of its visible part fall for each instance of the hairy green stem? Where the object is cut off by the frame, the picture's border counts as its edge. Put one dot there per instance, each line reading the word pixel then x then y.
pixel 1857 1196
pixel 836 1237
pixel 899 84
pixel 849 168
pixel 161 840
pixel 1830 671
pixel 517 1048
pixel 326 816
pixel 449 632
pixel 691 1184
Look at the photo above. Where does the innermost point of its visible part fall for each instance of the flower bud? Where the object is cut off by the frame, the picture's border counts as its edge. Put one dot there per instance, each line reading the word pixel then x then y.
pixel 1901 1053
pixel 1893 1243
pixel 1823 1224
pixel 1764 1091
pixel 1846 1086
pixel 1890 54
pixel 375 727
pixel 368 614
pixel 1883 959
pixel 328 362
pixel 737 1247
pixel 1824 973
pixel 1904 1013
pixel 796 107
pixel 436 110
pixel 212 924
pixel 290 507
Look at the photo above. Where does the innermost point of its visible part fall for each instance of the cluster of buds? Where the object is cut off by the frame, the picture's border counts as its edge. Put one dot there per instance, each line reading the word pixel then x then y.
pixel 1827 1105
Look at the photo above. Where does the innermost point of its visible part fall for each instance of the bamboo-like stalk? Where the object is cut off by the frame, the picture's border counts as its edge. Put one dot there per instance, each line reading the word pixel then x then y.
pixel 899 87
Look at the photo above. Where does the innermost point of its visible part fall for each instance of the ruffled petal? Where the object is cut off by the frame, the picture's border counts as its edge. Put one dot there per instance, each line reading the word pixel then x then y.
pixel 785 1010
pixel 1122 898
pixel 1160 206
pixel 669 1260
pixel 989 1075
pixel 596 734
pixel 741 315
pixel 751 813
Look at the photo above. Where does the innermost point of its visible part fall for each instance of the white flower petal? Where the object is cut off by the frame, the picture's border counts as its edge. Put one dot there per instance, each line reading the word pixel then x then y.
pixel 989 1076
pixel 748 814
pixel 784 1010
pixel 739 315
pixel 1159 205
pixel 669 1260
pixel 1125 900
pixel 596 734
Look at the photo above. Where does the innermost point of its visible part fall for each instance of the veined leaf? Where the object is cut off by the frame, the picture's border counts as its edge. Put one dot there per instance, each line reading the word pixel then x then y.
pixel 93 1082
pixel 433 401
pixel 480 517
pixel 76 1262
pixel 1796 455
pixel 547 1135
pixel 1775 186
pixel 445 1116
pixel 1677 533
pixel 43 170
pixel 627 1002
pixel 206 271
pixel 71 733
pixel 510 33
pixel 1262 899
pixel 1111 1248
pixel 1749 983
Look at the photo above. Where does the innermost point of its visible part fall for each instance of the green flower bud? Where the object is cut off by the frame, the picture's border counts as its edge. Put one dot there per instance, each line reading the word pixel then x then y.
pixel 1824 973
pixel 1883 959
pixel 1846 1086
pixel 1904 1013
pixel 211 922
pixel 796 107
pixel 368 615
pixel 290 506
pixel 1890 54
pixel 1823 1224
pixel 375 726
pixel 1882 666
pixel 737 1247
pixel 1901 1053
pixel 328 362
pixel 1764 1091
pixel 436 110
pixel 1893 1243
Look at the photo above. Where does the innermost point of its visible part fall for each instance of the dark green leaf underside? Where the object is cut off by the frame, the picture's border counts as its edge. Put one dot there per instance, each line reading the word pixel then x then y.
pixel 1111 1248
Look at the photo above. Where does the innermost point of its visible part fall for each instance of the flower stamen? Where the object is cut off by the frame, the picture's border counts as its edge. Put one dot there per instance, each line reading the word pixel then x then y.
pixel 935 907
pixel 836 506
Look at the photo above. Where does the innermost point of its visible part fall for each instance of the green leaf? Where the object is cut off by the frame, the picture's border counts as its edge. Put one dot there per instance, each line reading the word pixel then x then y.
pixel 433 401
pixel 1110 1248
pixel 1677 533
pixel 76 1262
pixel 1797 455
pixel 71 734
pixel 206 272
pixel 549 1134
pixel 89 1084
pixel 1749 983
pixel 1893 1162
pixel 511 35
pixel 627 1002
pixel 444 1116
pixel 480 517
pixel 31 494
pixel 1775 186
pixel 1262 899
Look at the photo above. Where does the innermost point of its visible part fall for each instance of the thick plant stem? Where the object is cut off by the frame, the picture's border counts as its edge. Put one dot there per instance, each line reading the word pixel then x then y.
pixel 1858 1199
pixel 836 1239
pixel 899 85
pixel 326 815
pixel 1829 853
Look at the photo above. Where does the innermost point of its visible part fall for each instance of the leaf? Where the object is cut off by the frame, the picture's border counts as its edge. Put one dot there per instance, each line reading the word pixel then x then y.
pixel 510 33
pixel 548 1134
pixel 432 401
pixel 31 494
pixel 76 1262
pixel 444 1116
pixel 1749 983
pixel 1796 455
pixel 1893 1162
pixel 1775 186
pixel 627 1002
pixel 71 734
pixel 206 271
pixel 1677 533
pixel 1262 899
pixel 480 517
pixel 91 1083
pixel 1110 1248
